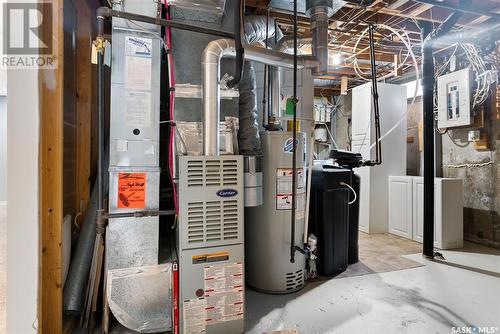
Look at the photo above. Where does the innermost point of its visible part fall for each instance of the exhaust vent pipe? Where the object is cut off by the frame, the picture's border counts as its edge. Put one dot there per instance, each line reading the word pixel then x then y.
pixel 319 11
pixel 211 58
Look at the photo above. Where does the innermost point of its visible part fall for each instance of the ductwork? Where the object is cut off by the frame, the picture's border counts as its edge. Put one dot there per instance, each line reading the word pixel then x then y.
pixel 319 11
pixel 257 29
pixel 212 55
pixel 285 43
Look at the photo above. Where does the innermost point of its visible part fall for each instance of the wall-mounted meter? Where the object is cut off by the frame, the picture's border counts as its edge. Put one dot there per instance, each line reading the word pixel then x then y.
pixel 454 99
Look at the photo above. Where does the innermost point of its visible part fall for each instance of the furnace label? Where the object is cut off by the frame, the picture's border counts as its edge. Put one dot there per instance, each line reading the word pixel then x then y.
pixel 138 73
pixel 194 313
pixel 224 292
pixel 131 190
pixel 137 108
pixel 138 46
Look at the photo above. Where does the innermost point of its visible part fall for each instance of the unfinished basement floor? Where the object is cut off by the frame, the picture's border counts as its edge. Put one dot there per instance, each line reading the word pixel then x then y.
pixel 429 297
pixel 391 290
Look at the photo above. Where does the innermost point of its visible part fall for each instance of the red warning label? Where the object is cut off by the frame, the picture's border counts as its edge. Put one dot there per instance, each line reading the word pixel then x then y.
pixel 131 190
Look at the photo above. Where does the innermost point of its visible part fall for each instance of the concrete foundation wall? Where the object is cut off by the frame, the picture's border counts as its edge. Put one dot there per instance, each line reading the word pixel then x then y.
pixel 481 184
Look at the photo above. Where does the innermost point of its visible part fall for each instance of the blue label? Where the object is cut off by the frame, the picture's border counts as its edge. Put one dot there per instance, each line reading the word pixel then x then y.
pixel 288 147
pixel 227 193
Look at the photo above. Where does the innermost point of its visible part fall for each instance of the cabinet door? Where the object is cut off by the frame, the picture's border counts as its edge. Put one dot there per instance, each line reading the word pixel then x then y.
pixel 400 206
pixel 418 210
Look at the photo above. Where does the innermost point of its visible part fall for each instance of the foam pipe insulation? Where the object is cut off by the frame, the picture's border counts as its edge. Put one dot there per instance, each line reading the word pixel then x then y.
pixel 248 134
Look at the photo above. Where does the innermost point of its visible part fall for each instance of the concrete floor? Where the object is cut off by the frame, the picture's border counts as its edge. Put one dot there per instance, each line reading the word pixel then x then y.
pixel 419 297
pixel 431 298
pixel 3 264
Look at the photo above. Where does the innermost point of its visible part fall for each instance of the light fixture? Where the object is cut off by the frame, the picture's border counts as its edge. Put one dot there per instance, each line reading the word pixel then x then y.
pixel 336 58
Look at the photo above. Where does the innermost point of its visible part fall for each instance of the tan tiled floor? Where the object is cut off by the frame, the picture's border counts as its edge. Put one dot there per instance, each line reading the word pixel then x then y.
pixel 379 253
pixel 3 264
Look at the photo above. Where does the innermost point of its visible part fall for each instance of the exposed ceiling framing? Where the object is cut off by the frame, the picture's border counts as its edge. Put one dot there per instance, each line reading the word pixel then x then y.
pixel 352 20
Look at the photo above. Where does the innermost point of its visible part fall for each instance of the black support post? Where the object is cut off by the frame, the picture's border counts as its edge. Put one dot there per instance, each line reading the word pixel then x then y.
pixel 428 106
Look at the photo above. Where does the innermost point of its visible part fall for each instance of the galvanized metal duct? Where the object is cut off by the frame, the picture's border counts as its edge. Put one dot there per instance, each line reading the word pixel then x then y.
pixel 283 44
pixel 212 55
pixel 319 11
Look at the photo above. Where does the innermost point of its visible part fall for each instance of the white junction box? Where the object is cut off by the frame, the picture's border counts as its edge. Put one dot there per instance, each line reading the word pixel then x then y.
pixel 454 99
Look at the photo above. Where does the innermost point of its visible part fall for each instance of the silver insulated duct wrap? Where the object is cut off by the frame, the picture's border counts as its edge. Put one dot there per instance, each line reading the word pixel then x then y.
pixel 256 30
pixel 319 12
pixel 248 133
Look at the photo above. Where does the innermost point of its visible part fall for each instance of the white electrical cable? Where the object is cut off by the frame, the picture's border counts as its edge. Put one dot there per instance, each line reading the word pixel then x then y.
pixel 355 64
pixel 354 192
pixel 331 137
pixel 417 72
pixel 470 165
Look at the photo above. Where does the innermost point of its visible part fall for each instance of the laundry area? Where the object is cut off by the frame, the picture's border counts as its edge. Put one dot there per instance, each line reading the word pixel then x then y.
pixel 258 166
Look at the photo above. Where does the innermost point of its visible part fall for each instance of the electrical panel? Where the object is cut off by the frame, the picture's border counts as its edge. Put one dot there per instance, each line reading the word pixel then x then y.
pixel 454 99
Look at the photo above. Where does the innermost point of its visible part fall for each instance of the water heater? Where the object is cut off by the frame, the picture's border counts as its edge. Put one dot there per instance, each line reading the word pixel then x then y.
pixel 267 227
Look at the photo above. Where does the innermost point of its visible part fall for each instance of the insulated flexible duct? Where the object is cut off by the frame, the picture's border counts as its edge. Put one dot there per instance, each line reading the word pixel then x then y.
pixel 79 267
pixel 248 134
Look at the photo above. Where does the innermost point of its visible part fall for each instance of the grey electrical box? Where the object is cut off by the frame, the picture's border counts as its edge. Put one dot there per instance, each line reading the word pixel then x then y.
pixel 454 99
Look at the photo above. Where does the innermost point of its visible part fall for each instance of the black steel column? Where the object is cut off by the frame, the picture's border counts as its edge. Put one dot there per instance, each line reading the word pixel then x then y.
pixel 428 106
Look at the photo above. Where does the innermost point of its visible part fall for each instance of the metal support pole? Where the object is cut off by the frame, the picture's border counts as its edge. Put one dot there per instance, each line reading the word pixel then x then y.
pixel 428 106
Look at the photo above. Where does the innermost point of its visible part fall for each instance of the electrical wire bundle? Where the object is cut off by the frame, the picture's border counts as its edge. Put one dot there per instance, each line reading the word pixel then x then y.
pixel 401 35
pixel 485 78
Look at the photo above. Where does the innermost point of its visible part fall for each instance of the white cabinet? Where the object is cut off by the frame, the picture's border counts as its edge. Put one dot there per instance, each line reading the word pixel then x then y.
pixel 406 210
pixel 373 211
pixel 448 212
pixel 400 208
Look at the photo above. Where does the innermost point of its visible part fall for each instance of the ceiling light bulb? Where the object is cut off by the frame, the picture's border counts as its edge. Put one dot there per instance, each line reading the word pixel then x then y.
pixel 336 59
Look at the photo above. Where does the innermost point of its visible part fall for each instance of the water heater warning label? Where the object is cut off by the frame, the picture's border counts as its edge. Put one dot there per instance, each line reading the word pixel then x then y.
pixel 224 292
pixel 131 190
pixel 284 190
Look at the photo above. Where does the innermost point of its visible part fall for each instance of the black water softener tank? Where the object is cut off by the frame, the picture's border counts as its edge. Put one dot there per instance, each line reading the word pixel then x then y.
pixel 329 217
pixel 353 250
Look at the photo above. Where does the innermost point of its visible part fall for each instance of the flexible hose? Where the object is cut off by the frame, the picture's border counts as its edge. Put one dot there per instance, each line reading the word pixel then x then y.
pixel 353 191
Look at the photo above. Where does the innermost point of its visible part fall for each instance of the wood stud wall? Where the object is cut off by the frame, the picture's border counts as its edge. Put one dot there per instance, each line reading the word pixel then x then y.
pixel 56 156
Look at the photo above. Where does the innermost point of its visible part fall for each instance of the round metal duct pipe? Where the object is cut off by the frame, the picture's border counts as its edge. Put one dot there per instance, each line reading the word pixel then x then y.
pixel 319 11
